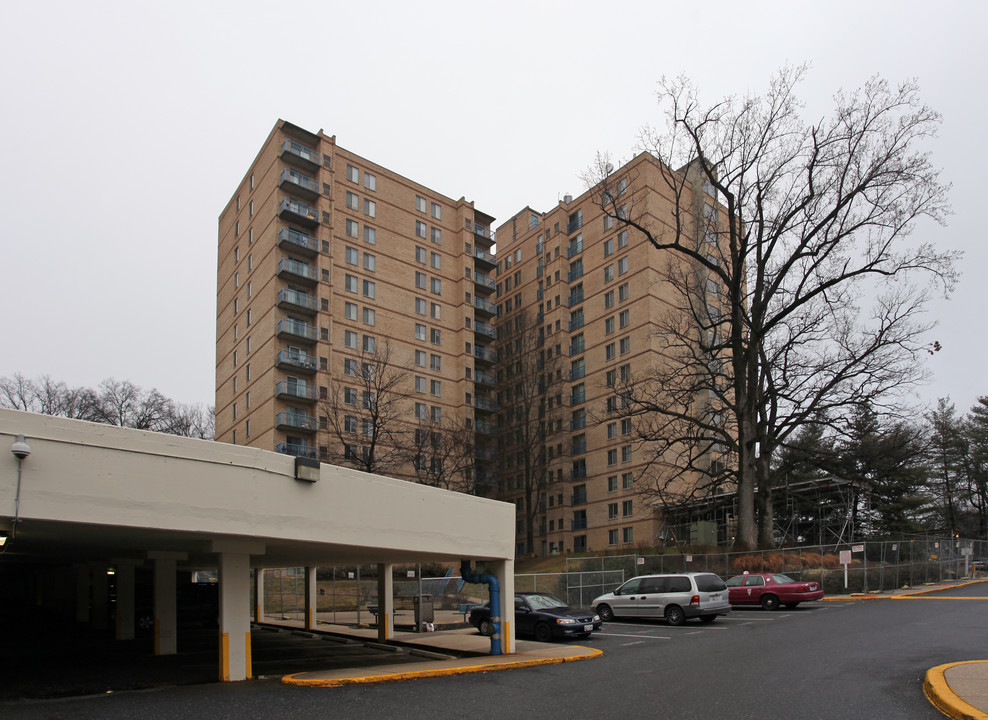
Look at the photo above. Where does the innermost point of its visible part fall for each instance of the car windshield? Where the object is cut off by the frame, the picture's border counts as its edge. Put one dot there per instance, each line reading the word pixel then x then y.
pixel 782 579
pixel 543 602
pixel 709 583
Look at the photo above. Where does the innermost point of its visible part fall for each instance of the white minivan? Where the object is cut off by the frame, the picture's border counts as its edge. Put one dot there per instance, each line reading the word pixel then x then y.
pixel 676 597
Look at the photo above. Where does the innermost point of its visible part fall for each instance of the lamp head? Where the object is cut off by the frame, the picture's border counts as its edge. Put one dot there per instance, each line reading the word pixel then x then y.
pixel 20 448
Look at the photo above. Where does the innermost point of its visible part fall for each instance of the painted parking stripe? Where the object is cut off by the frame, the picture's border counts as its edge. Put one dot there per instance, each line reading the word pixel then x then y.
pixel 641 637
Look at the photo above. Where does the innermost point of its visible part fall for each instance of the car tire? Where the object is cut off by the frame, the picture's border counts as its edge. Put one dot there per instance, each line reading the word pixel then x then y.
pixel 770 602
pixel 605 612
pixel 792 605
pixel 486 628
pixel 543 633
pixel 675 615
pixel 707 619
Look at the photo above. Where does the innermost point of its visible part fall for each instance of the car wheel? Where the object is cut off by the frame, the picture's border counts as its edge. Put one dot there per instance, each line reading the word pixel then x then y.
pixel 707 619
pixel 605 612
pixel 675 615
pixel 792 605
pixel 486 628
pixel 543 633
pixel 770 602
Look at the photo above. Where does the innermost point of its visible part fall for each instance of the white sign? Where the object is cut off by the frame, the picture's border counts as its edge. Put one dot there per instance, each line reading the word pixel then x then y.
pixel 640 561
pixel 894 548
pixel 965 551
pixel 689 558
pixel 857 548
pixel 845 557
pixel 410 573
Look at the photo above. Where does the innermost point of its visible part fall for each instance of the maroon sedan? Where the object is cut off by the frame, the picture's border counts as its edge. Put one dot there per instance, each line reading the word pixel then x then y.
pixel 770 590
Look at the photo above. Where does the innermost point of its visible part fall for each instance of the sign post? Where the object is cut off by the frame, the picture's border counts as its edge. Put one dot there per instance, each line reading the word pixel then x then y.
pixel 845 560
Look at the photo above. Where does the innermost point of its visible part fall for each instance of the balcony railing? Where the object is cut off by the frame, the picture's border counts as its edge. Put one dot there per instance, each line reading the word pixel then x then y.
pixel 295 270
pixel 578 424
pixel 299 391
pixel 298 211
pixel 577 348
pixel 484 281
pixel 574 249
pixel 576 323
pixel 287 327
pixel 484 453
pixel 484 329
pixel 580 524
pixel 297 300
pixel 577 373
pixel 485 478
pixel 578 473
pixel 484 306
pixel 482 403
pixel 484 378
pixel 574 298
pixel 294 180
pixel 578 397
pixel 574 274
pixel 297 151
pixel 296 359
pixel 296 421
pixel 296 449
pixel 484 232
pixel 295 241
pixel 484 256
pixel 485 428
pixel 578 499
pixel 484 354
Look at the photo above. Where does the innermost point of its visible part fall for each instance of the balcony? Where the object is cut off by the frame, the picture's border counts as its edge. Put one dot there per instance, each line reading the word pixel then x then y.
pixel 487 479
pixel 578 423
pixel 290 329
pixel 290 390
pixel 298 154
pixel 574 274
pixel 578 372
pixel 295 182
pixel 296 449
pixel 575 298
pixel 485 257
pixel 298 301
pixel 574 249
pixel 576 323
pixel 297 242
pixel 295 421
pixel 485 454
pixel 297 211
pixel 484 232
pixel 577 348
pixel 296 361
pixel 484 404
pixel 484 355
pixel 579 473
pixel 484 378
pixel 578 499
pixel 484 283
pixel 578 397
pixel 579 524
pixel 484 306
pixel 297 271
pixel 480 328
pixel 485 428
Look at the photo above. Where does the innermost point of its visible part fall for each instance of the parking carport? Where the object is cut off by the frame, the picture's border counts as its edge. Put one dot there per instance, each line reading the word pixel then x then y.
pixel 92 496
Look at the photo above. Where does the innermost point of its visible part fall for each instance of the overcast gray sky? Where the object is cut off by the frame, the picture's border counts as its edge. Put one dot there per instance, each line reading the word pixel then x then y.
pixel 126 127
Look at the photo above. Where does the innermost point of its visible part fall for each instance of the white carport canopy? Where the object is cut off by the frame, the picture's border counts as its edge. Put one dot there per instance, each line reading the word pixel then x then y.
pixel 97 493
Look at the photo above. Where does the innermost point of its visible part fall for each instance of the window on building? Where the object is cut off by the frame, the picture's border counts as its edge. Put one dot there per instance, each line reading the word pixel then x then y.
pixel 420 331
pixel 435 336
pixel 627 508
pixel 370 181
pixel 352 228
pixel 612 457
pixel 370 235
pixel 437 211
pixel 420 306
pixel 351 255
pixel 350 396
pixel 369 288
pixel 352 174
pixel 624 318
pixel 370 208
pixel 420 280
pixel 626 453
pixel 369 316
pixel 608 273
pixel 370 262
pixel 609 325
pixel 350 339
pixel 352 201
pixel 350 311
pixel 623 292
pixel 420 358
pixel 351 283
pixel 625 346
pixel 627 480
pixel 420 384
pixel 436 261
pixel 350 423
pixel 421 229
pixel 626 426
pixel 435 362
pixel 349 366
pixel 611 430
pixel 612 513
pixel 612 483
pixel 436 311
pixel 609 247
pixel 612 536
pixel 437 286
pixel 420 203
pixel 622 265
pixel 435 388
pixel 370 344
pixel 437 236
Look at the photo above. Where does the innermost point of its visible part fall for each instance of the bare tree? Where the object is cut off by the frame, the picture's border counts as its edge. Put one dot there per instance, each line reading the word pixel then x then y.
pixel 194 421
pixel 530 382
pixel 125 404
pixel 367 413
pixel 814 293
pixel 442 453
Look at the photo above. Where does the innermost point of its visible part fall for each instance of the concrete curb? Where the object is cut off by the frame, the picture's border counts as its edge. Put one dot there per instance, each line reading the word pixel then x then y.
pixel 435 672
pixel 938 588
pixel 944 699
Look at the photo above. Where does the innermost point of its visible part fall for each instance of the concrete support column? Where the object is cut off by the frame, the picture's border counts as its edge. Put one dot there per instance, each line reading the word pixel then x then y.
pixel 504 571
pixel 165 602
pixel 311 598
pixel 235 662
pixel 83 582
pixel 125 599
pixel 258 595
pixel 385 603
pixel 101 597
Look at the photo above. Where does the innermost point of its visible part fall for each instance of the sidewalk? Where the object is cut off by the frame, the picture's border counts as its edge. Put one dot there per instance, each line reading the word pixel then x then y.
pixel 959 690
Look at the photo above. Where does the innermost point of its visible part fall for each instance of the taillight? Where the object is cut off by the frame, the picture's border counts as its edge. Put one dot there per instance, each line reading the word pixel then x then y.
pixel 695 600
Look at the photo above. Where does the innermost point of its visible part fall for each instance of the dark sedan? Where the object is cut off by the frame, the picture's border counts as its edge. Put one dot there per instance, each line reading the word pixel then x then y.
pixel 542 616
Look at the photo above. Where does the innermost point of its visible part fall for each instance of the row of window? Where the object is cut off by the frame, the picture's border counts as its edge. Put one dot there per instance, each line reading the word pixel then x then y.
pixel 352 229
pixel 353 175
pixel 433 387
pixel 434 335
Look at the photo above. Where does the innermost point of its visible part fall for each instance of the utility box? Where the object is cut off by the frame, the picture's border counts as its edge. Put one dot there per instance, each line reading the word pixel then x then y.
pixel 424 610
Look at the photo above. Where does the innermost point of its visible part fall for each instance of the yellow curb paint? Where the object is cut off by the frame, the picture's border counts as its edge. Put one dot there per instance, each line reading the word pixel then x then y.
pixel 225 657
pixel 439 672
pixel 909 595
pixel 944 699
pixel 250 666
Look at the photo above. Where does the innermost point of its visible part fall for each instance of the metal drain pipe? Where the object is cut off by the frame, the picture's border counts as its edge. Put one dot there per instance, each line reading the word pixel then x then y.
pixel 495 600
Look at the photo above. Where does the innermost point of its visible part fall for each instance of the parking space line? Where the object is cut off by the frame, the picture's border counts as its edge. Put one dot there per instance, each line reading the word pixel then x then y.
pixel 643 637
